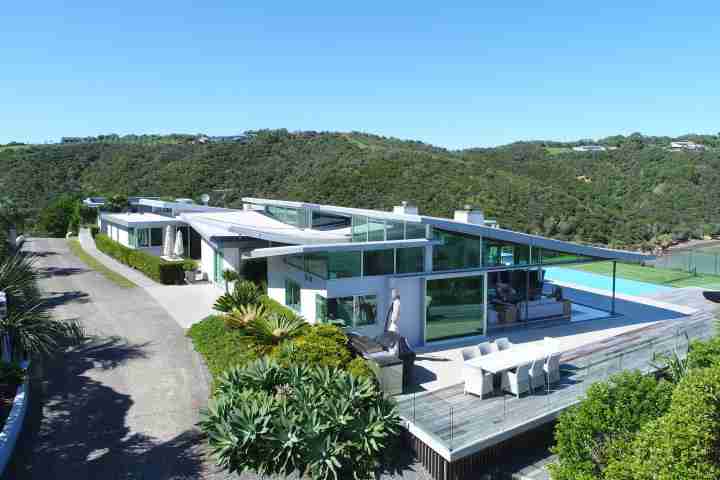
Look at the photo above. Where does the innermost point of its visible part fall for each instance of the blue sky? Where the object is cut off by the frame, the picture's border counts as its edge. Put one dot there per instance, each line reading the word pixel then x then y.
pixel 456 76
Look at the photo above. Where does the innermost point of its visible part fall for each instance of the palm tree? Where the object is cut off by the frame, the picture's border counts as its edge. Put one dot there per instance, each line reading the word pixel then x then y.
pixel 29 329
pixel 273 329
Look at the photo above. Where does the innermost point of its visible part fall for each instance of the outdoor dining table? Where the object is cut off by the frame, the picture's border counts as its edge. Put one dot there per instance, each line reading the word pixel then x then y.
pixel 509 359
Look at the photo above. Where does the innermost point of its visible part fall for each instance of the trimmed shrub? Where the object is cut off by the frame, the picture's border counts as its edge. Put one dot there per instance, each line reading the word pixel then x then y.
pixel 168 273
pixel 324 345
pixel 703 354
pixel 321 422
pixel 683 443
pixel 590 434
pixel 219 345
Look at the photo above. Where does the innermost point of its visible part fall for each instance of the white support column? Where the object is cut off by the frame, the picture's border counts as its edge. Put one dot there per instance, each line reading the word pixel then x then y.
pixel 485 303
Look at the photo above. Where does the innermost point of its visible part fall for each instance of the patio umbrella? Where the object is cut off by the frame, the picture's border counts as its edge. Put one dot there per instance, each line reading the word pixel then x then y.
pixel 179 248
pixel 169 243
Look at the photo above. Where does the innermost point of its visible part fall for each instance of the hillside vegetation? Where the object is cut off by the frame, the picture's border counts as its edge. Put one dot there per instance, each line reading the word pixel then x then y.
pixel 639 195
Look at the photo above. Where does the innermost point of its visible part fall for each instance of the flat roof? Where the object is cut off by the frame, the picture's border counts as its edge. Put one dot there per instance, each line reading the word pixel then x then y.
pixel 248 223
pixel 135 219
pixel 470 228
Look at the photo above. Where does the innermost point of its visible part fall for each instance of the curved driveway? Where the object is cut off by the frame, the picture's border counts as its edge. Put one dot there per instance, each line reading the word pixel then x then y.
pixel 121 406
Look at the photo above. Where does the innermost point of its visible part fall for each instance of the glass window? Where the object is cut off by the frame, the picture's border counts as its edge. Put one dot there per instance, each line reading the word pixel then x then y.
pixel 143 237
pixel 291 216
pixel 321 306
pixel 498 253
pixel 454 308
pixel 354 311
pixel 378 262
pixel 359 229
pixel 415 230
pixel 344 264
pixel 394 230
pixel 156 237
pixel 316 263
pixel 376 230
pixel 410 260
pixel 552 256
pixel 296 261
pixel 324 220
pixel 292 295
pixel 131 237
pixel 457 252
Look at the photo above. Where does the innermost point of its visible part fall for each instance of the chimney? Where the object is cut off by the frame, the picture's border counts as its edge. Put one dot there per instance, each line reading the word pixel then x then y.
pixel 405 208
pixel 470 215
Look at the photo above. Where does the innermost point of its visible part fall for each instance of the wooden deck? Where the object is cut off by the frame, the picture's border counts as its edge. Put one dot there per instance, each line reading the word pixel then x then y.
pixel 456 425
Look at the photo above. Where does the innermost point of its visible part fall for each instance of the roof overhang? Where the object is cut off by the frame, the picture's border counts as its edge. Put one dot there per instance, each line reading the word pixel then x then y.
pixel 337 247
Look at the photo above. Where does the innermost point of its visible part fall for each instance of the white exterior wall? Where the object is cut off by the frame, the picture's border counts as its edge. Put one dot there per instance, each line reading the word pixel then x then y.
pixel 123 236
pixel 207 253
pixel 412 309
pixel 310 286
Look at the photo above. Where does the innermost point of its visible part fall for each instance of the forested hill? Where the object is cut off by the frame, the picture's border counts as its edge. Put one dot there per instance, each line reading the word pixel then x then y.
pixel 636 196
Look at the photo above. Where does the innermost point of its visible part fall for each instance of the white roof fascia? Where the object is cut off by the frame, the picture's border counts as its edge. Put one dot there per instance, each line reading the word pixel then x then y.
pixel 333 209
pixel 338 247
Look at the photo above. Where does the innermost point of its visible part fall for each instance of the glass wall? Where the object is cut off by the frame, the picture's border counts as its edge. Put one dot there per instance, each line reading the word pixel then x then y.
pixel 292 295
pixel 410 260
pixel 454 308
pixel 545 256
pixel 497 253
pixel 458 251
pixel 355 311
pixel 292 216
pixel 378 262
pixel 324 221
pixel 366 229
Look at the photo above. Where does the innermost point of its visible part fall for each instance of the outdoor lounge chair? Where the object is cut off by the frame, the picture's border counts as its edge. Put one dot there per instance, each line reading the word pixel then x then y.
pixel 503 343
pixel 552 368
pixel 517 382
pixel 485 348
pixel 477 381
pixel 537 374
pixel 469 353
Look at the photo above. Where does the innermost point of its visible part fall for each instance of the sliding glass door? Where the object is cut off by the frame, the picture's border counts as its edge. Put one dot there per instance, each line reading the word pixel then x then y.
pixel 454 308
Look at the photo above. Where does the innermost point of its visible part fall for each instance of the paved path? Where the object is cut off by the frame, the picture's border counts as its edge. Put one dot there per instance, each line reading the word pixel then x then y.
pixel 122 406
pixel 187 304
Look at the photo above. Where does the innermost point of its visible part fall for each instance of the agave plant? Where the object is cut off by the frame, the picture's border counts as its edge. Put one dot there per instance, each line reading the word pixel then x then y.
pixel 228 277
pixel 28 328
pixel 243 315
pixel 273 329
pixel 244 293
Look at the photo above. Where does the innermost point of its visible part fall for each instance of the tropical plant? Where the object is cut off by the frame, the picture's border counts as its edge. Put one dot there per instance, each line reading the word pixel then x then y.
pixel 321 422
pixel 228 277
pixel 244 293
pixel 243 315
pixel 28 328
pixel 674 366
pixel 271 330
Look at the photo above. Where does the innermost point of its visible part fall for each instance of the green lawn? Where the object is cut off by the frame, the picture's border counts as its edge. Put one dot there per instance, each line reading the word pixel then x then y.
pixel 93 263
pixel 659 276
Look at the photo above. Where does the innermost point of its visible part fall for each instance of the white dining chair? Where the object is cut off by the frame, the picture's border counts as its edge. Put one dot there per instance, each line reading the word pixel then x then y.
pixel 551 345
pixel 494 347
pixel 477 381
pixel 469 353
pixel 537 374
pixel 552 368
pixel 485 348
pixel 517 382
pixel 503 343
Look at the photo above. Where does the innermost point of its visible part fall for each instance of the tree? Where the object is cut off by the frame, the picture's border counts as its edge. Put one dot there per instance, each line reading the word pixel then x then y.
pixel 55 219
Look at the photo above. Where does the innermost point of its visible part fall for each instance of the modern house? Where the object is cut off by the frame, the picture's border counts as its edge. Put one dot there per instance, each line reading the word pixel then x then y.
pixel 455 277
pixel 686 145
pixel 590 148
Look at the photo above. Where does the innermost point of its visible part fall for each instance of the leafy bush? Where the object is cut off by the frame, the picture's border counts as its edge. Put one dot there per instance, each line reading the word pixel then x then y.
pixel 168 273
pixel 56 217
pixel 590 434
pixel 322 422
pixel 319 345
pixel 702 354
pixel 11 373
pixel 683 443
pixel 243 293
pixel 220 346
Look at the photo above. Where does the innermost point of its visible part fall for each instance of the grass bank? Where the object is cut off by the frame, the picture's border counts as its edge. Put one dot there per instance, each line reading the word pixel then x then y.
pixel 658 276
pixel 93 263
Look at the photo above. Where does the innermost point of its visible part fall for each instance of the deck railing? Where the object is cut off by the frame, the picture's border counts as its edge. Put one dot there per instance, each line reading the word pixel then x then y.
pixel 452 421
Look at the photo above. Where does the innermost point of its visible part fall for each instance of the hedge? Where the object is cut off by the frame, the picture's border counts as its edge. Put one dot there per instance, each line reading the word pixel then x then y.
pixel 168 273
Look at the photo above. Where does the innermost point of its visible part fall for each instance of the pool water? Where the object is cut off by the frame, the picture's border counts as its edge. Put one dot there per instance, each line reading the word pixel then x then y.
pixel 602 282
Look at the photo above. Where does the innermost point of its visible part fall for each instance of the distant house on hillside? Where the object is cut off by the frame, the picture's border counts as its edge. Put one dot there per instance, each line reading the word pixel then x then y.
pixel 686 145
pixel 590 148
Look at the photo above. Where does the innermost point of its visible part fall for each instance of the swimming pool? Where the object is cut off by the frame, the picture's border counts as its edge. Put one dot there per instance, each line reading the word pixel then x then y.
pixel 602 282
